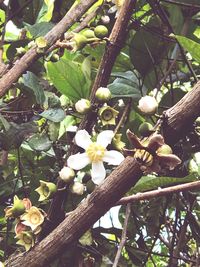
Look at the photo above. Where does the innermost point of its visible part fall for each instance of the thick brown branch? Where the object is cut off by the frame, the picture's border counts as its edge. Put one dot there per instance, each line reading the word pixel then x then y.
pixel 52 36
pixel 85 215
pixel 107 194
pixel 181 116
pixel 115 43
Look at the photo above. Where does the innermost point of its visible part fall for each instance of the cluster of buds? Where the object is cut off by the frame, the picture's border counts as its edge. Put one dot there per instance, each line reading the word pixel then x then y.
pixel 67 175
pixel 152 153
pixel 28 220
pixel 106 113
pixel 87 36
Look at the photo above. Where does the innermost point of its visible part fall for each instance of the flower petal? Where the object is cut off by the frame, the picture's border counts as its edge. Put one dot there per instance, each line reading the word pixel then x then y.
pixel 105 138
pixel 155 141
pixel 169 161
pixel 82 139
pixel 113 157
pixel 134 140
pixel 98 172
pixel 78 161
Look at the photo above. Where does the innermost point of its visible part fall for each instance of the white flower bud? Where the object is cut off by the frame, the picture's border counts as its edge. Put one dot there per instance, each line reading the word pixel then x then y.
pixel 77 188
pixel 103 94
pixel 83 106
pixel 67 174
pixel 148 105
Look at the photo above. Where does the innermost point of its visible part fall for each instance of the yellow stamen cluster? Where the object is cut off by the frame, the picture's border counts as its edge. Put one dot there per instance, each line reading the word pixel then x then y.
pixel 95 152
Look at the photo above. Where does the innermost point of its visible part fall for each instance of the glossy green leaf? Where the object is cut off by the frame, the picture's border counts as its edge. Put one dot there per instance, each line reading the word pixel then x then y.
pixel 191 46
pixel 68 121
pixel 127 85
pixel 40 142
pixel 147 183
pixel 147 50
pixel 32 83
pixel 39 29
pixel 68 78
pixel 45 13
pixel 53 114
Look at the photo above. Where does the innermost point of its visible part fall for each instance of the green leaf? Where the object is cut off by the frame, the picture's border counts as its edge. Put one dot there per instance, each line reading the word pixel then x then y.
pixel 171 98
pixel 39 29
pixel 147 183
pixel 125 86
pixel 53 114
pixel 32 83
pixel 68 121
pixel 46 11
pixel 191 46
pixel 69 79
pixel 147 50
pixel 40 142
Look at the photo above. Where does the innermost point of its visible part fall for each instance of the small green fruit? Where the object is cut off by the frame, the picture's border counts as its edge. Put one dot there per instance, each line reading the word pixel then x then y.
pixel 145 128
pixel 100 31
pixel 164 149
pixel 88 34
pixel 54 58
pixel 80 41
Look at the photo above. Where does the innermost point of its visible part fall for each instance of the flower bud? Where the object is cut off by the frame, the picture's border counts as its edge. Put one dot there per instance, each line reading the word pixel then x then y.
pixel 16 210
pixel 145 129
pixel 100 31
pixel 103 94
pixel 148 105
pixel 77 188
pixel 67 174
pixel 83 106
pixel 105 19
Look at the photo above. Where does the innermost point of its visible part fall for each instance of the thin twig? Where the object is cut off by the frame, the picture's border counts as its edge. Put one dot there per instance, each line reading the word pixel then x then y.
pixel 159 192
pixel 123 237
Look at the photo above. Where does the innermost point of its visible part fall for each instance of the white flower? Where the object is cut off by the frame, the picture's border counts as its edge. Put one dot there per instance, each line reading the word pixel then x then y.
pixel 148 105
pixel 116 8
pixel 95 153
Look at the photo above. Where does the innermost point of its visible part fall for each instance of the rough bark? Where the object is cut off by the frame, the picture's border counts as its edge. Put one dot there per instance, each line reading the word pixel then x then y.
pixel 51 37
pixel 107 194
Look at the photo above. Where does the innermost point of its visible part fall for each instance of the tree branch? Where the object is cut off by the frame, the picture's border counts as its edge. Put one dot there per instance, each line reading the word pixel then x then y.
pixel 159 192
pixel 108 193
pixel 116 41
pixel 51 37
pixel 123 237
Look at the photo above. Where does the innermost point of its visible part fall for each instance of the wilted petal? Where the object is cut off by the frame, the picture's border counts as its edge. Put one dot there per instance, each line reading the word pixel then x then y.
pixel 155 167
pixel 105 138
pixel 170 161
pixel 82 139
pixel 98 172
pixel 113 157
pixel 78 161
pixel 134 140
pixel 155 141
